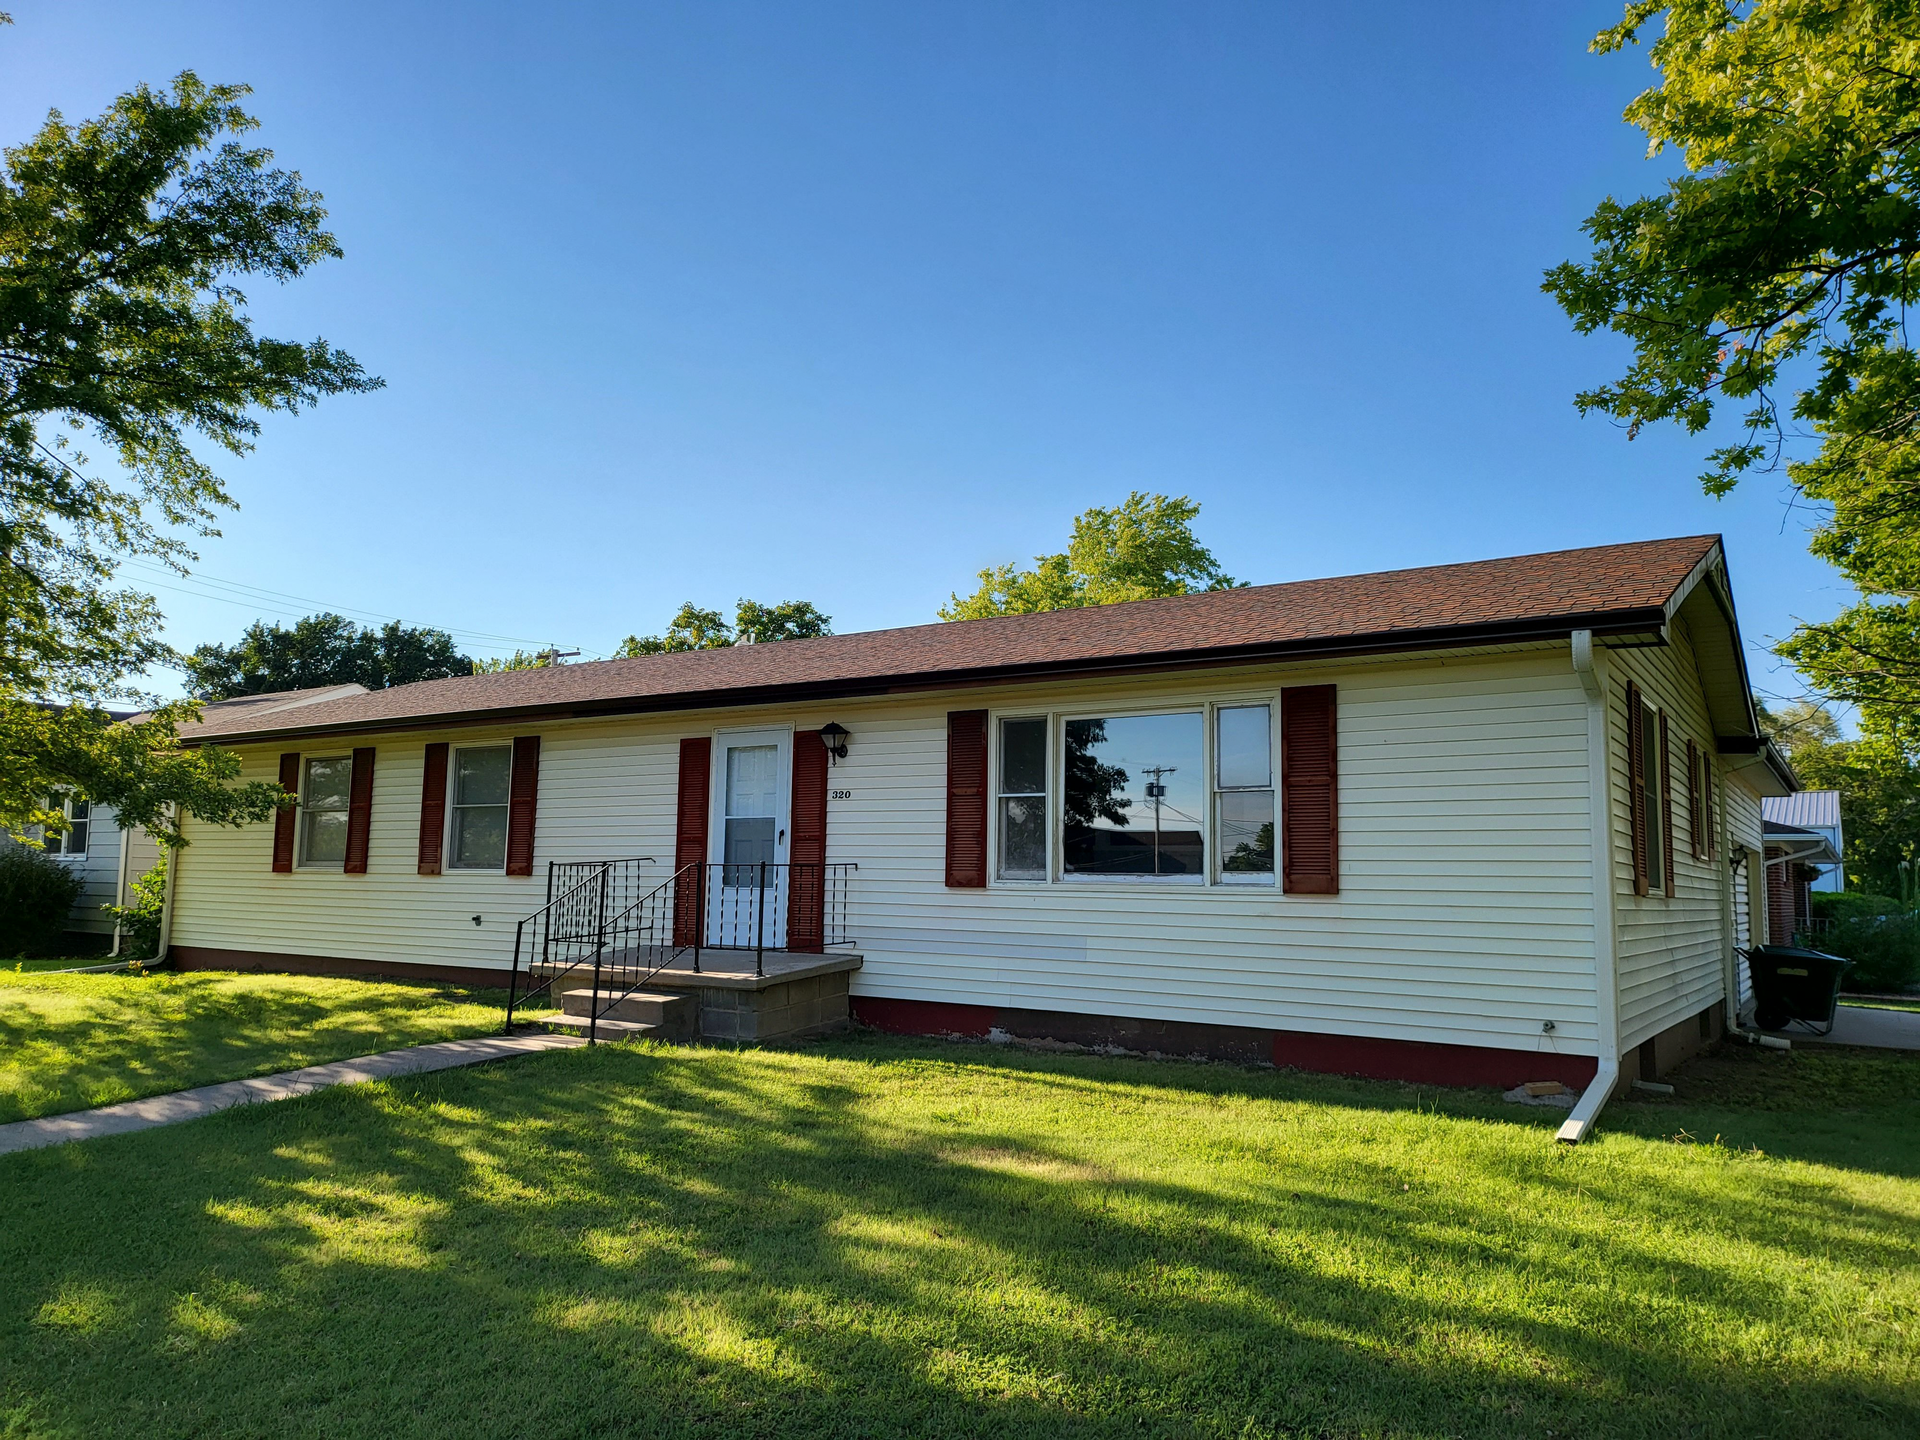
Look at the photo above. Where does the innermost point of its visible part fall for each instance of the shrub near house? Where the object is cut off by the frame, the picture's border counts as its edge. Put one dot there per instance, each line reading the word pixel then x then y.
pixel 36 896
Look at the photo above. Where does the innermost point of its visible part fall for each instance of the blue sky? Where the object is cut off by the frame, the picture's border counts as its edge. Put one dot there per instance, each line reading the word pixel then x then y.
pixel 843 302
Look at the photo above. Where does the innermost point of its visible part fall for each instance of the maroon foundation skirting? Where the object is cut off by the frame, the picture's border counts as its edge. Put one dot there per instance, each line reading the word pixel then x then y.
pixel 1412 1060
pixel 201 957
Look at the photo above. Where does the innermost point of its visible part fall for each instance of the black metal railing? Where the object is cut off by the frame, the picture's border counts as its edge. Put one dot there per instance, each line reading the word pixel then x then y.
pixel 760 906
pixel 568 933
pixel 599 920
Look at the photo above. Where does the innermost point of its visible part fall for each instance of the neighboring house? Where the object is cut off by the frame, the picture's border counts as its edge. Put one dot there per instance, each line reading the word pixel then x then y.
pixel 1818 812
pixel 108 861
pixel 1795 857
pixel 1479 823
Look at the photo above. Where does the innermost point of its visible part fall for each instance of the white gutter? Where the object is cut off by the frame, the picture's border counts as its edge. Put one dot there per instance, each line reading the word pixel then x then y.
pixel 1606 986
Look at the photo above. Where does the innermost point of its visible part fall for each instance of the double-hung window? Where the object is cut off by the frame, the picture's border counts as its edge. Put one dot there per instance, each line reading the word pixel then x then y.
pixel 325 792
pixel 1023 799
pixel 79 823
pixel 482 779
pixel 1243 793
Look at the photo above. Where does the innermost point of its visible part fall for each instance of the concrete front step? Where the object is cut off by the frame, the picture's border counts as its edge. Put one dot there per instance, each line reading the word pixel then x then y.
pixel 670 1014
pixel 609 1028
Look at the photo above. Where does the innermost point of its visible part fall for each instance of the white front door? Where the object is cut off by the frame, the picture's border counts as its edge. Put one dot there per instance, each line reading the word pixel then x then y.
pixel 752 785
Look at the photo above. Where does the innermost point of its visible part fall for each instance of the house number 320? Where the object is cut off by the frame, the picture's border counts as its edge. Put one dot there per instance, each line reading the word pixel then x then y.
pixel 840 794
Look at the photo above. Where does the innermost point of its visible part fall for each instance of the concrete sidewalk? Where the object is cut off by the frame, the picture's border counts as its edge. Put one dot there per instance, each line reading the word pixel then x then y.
pixel 192 1104
pixel 1858 1025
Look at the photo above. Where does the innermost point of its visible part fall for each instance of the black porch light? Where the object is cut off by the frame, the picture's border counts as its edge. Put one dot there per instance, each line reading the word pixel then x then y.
pixel 834 737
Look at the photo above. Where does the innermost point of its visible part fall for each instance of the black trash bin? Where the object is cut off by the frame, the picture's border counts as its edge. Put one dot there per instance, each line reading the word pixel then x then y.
pixel 1794 984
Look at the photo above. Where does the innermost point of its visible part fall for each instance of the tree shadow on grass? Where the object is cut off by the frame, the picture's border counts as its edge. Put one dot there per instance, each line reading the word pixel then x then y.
pixel 111 1038
pixel 883 1242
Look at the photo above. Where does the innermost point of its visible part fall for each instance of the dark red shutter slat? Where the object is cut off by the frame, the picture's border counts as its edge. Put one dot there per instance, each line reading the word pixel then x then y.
pixel 433 808
pixel 690 838
pixel 1637 787
pixel 1696 815
pixel 359 812
pixel 807 899
pixel 283 820
pixel 1309 790
pixel 967 799
pixel 1666 808
pixel 523 800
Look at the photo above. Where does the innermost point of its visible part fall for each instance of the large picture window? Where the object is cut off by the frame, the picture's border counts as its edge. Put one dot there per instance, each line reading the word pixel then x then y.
pixel 1243 793
pixel 482 776
pixel 325 791
pixel 1023 799
pixel 1133 797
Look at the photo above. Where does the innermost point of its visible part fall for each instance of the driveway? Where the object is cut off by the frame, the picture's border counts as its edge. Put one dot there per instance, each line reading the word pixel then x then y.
pixel 1858 1025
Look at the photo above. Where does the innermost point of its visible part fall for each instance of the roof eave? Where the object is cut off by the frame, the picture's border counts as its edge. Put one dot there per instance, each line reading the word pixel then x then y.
pixel 1639 621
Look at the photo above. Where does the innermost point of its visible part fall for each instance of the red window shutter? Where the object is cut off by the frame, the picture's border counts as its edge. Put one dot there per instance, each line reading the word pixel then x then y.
pixel 690 838
pixel 967 799
pixel 433 808
pixel 359 812
pixel 807 895
pixel 523 801
pixel 1696 817
pixel 1637 786
pixel 283 820
pixel 1309 790
pixel 1666 808
pixel 1706 804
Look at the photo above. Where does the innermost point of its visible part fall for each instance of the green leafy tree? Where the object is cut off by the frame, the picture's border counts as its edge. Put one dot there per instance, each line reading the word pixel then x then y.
pixel 123 329
pixel 1785 254
pixel 753 624
pixel 322 649
pixel 1141 549
pixel 519 660
pixel 1879 786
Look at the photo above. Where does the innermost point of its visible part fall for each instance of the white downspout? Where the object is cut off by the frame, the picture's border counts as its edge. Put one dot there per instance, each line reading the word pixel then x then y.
pixel 120 882
pixel 1606 987
pixel 172 858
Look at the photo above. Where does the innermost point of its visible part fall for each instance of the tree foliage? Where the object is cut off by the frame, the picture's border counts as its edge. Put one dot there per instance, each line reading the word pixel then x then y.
pixel 1785 253
pixel 753 624
pixel 323 649
pixel 123 329
pixel 1141 549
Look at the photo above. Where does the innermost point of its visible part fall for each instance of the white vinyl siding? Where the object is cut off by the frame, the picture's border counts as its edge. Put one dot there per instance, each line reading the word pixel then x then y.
pixel 1464 914
pixel 1671 956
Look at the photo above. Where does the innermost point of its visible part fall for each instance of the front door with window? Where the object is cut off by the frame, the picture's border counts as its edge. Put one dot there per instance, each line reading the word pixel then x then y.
pixel 752 784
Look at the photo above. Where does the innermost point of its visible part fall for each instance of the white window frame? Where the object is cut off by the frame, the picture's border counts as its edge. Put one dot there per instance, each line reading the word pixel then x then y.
pixel 1050 796
pixel 1057 817
pixel 453 865
pixel 1217 872
pixel 300 861
pixel 66 809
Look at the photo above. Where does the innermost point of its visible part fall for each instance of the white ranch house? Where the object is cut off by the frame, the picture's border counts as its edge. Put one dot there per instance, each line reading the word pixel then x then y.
pixel 1482 823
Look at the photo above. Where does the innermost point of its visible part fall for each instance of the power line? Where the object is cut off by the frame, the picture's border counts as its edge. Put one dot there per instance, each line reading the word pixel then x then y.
pixel 209 587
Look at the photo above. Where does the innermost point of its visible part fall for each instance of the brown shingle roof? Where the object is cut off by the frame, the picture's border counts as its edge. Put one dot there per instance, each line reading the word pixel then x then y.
pixel 1616 588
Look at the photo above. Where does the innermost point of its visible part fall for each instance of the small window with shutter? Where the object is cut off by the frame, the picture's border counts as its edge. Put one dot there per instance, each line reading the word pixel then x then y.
pixel 482 776
pixel 1021 802
pixel 326 795
pixel 1243 793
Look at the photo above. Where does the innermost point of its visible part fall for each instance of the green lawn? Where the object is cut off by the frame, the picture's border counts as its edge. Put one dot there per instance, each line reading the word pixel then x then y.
pixel 889 1238
pixel 29 965
pixel 69 1042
